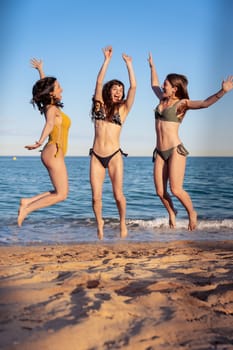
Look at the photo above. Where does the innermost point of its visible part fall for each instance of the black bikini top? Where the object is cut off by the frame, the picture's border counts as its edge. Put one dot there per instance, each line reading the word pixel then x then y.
pixel 98 113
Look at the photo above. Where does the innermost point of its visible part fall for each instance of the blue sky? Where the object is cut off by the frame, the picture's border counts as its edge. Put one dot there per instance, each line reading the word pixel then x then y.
pixel 192 37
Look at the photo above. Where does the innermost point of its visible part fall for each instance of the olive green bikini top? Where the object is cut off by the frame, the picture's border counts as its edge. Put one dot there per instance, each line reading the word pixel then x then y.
pixel 168 114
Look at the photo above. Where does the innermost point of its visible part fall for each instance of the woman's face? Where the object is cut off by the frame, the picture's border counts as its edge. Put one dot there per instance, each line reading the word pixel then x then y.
pixel 168 89
pixel 116 93
pixel 57 91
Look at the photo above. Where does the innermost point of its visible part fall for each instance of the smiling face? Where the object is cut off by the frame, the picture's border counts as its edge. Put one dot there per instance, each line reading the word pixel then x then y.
pixel 168 89
pixel 57 91
pixel 175 85
pixel 116 93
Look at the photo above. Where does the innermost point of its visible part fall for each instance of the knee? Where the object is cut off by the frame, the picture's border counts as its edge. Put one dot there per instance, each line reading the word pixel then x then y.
pixel 119 197
pixel 159 192
pixel 96 199
pixel 63 196
pixel 175 191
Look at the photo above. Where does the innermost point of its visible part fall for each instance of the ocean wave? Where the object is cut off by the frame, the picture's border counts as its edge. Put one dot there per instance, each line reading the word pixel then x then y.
pixel 160 223
pixel 68 230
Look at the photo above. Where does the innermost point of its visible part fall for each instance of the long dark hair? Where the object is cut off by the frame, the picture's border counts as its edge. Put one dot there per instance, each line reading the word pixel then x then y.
pixel 180 82
pixel 41 94
pixel 111 107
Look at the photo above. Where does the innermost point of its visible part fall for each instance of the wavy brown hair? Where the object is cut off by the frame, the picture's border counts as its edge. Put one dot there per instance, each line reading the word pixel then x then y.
pixel 110 107
pixel 180 82
pixel 41 94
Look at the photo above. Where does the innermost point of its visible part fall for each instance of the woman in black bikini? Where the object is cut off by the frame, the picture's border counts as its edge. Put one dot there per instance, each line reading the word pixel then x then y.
pixel 170 154
pixel 109 111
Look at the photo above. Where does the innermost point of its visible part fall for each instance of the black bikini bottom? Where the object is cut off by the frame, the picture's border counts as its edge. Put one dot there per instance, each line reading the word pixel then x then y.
pixel 105 160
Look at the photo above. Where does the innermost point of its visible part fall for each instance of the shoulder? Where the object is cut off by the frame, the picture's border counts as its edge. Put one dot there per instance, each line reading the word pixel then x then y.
pixel 52 112
pixel 183 105
pixel 181 108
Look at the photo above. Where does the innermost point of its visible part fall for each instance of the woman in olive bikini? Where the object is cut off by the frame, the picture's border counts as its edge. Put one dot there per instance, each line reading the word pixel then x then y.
pixel 170 154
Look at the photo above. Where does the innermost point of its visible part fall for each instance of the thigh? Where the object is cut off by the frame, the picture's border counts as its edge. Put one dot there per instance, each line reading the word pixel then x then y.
pixel 160 173
pixel 56 168
pixel 97 176
pixel 116 172
pixel 177 164
pixel 58 175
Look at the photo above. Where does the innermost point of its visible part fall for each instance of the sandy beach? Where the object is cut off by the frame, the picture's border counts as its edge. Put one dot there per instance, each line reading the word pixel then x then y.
pixel 123 295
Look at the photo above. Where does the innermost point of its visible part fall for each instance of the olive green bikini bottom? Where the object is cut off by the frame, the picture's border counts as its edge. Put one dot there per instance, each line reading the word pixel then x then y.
pixel 167 153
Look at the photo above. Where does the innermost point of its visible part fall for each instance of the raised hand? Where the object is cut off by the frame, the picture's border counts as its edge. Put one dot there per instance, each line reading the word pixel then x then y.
pixel 38 64
pixel 150 60
pixel 227 84
pixel 107 52
pixel 126 58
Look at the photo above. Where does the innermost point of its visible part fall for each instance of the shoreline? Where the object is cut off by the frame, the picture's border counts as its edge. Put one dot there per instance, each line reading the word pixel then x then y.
pixel 122 295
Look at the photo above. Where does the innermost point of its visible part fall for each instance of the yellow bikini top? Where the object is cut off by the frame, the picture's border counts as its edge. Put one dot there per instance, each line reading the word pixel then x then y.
pixel 59 134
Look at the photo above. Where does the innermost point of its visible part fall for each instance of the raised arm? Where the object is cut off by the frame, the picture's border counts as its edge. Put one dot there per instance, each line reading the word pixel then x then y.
pixel 154 78
pixel 107 51
pixel 38 64
pixel 227 85
pixel 132 81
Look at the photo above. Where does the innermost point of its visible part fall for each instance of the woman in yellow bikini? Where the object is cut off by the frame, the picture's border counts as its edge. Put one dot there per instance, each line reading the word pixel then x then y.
pixel 47 97
pixel 170 154
pixel 109 111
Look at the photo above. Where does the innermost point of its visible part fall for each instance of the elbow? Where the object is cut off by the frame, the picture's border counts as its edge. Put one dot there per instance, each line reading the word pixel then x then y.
pixel 133 88
pixel 205 104
pixel 133 83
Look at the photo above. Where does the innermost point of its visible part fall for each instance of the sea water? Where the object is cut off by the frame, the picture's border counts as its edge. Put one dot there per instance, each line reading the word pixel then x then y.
pixel 208 180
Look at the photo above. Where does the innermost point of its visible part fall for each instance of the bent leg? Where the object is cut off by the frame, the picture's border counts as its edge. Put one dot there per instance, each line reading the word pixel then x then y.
pixel 27 201
pixel 160 181
pixel 97 175
pixel 58 174
pixel 115 170
pixel 177 164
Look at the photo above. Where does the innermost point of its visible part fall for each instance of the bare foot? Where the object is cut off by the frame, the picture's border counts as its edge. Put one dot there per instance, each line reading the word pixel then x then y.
pixel 22 212
pixel 192 221
pixel 124 231
pixel 100 230
pixel 172 219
